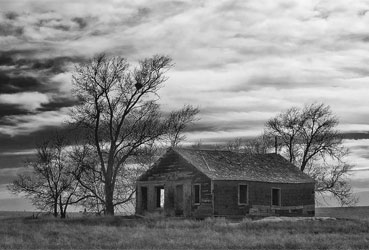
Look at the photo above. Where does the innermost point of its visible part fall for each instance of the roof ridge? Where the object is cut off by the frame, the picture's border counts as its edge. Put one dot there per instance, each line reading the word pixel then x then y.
pixel 224 150
pixel 202 149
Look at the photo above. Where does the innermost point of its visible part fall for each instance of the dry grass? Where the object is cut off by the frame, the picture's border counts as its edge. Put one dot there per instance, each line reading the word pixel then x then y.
pixel 122 233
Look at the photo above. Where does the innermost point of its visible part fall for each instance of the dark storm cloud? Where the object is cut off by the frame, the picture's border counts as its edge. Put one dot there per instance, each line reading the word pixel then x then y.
pixel 24 60
pixel 11 109
pixel 16 151
pixel 10 144
pixel 54 65
pixel 15 161
pixel 6 59
pixel 25 142
pixel 10 57
pixel 57 103
pixel 356 136
pixel 15 84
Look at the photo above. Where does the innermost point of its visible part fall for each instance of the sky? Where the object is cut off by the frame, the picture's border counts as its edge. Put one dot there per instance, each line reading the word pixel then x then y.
pixel 240 62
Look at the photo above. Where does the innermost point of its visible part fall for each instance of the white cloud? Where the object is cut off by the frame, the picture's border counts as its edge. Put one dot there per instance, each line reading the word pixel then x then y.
pixel 20 152
pixel 63 81
pixel 27 100
pixel 25 124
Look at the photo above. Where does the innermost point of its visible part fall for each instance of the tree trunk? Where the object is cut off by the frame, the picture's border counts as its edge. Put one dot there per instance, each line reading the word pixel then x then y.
pixel 62 215
pixel 55 207
pixel 62 211
pixel 109 206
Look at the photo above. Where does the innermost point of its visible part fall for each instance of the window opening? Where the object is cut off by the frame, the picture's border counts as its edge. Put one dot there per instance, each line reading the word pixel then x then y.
pixel 242 194
pixel 197 188
pixel 276 197
pixel 144 198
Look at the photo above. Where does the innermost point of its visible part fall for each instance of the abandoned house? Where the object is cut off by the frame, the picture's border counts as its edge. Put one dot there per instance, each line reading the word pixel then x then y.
pixel 204 183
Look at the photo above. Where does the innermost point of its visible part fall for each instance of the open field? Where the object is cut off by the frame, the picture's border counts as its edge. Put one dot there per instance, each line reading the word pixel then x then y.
pixel 361 213
pixel 124 233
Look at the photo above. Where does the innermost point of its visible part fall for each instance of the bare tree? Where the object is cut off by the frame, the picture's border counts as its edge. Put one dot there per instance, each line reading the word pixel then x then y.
pixel 120 114
pixel 87 172
pixel 50 186
pixel 312 142
pixel 89 179
pixel 179 121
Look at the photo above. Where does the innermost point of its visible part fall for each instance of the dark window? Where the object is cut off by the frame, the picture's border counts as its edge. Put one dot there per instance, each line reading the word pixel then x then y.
pixel 242 194
pixel 197 189
pixel 276 197
pixel 160 197
pixel 144 198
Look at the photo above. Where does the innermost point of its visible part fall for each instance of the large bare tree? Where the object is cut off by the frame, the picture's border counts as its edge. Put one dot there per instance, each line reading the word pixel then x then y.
pixel 309 139
pixel 121 117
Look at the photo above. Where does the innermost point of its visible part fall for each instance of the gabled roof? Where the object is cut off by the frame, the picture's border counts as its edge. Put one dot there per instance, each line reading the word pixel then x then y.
pixel 227 165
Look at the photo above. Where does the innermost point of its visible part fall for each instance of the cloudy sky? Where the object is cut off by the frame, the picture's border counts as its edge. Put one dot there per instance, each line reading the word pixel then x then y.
pixel 241 62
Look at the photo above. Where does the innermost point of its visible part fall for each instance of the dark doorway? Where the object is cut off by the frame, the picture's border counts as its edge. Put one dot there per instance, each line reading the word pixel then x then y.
pixel 276 197
pixel 242 194
pixel 179 200
pixel 160 197
pixel 144 198
pixel 197 190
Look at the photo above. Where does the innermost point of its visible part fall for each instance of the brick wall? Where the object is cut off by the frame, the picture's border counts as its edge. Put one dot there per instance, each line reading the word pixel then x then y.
pixel 293 196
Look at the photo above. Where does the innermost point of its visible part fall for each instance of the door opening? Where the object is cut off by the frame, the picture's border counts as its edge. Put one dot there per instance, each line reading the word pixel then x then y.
pixel 144 198
pixel 160 194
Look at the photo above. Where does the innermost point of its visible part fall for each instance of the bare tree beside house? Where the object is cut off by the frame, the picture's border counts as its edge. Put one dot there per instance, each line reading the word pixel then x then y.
pixel 120 115
pixel 309 139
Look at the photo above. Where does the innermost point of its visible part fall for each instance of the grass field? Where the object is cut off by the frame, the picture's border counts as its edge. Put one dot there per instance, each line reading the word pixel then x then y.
pixel 123 233
pixel 361 213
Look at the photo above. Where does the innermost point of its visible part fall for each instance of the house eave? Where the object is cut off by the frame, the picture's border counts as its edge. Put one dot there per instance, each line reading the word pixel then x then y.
pixel 262 181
